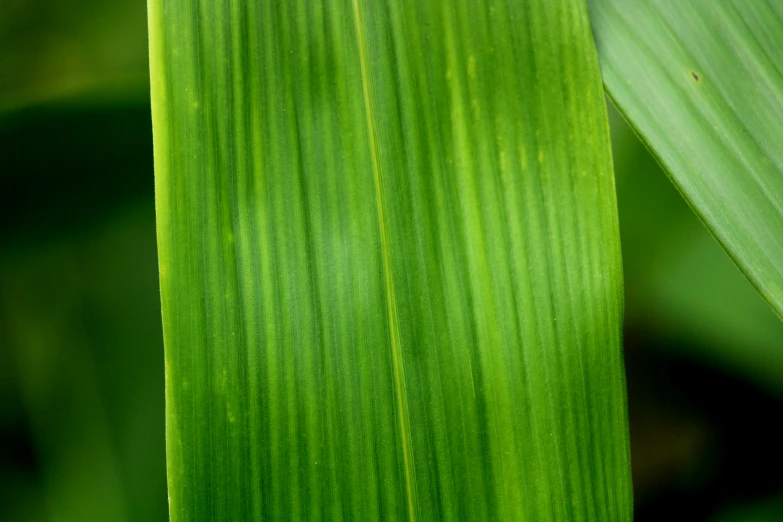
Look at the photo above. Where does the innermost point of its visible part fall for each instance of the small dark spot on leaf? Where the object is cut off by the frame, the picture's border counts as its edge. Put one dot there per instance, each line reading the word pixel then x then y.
pixel 695 76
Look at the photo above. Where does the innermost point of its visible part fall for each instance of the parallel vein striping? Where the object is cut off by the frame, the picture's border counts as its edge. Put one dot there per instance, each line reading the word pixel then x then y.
pixel 701 84
pixel 391 302
pixel 391 285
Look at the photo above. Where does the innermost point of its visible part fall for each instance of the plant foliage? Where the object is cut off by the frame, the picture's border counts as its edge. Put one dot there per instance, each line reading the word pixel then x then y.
pixel 702 83
pixel 389 261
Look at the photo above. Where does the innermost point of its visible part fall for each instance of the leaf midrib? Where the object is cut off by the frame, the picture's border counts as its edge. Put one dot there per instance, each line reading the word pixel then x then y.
pixel 391 301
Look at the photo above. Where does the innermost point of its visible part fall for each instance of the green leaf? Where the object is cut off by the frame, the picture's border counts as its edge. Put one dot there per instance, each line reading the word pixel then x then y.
pixel 389 261
pixel 702 83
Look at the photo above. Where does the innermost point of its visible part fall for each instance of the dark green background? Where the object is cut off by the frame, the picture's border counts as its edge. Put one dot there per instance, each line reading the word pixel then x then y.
pixel 81 355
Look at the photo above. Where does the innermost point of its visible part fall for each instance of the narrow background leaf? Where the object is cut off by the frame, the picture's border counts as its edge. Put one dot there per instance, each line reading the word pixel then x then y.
pixel 389 260
pixel 702 84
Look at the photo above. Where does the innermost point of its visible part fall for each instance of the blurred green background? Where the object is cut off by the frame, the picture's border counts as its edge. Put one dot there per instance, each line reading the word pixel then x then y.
pixel 81 354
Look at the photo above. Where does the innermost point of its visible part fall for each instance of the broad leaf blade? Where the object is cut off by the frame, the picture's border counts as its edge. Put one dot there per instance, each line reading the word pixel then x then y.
pixel 702 84
pixel 389 262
